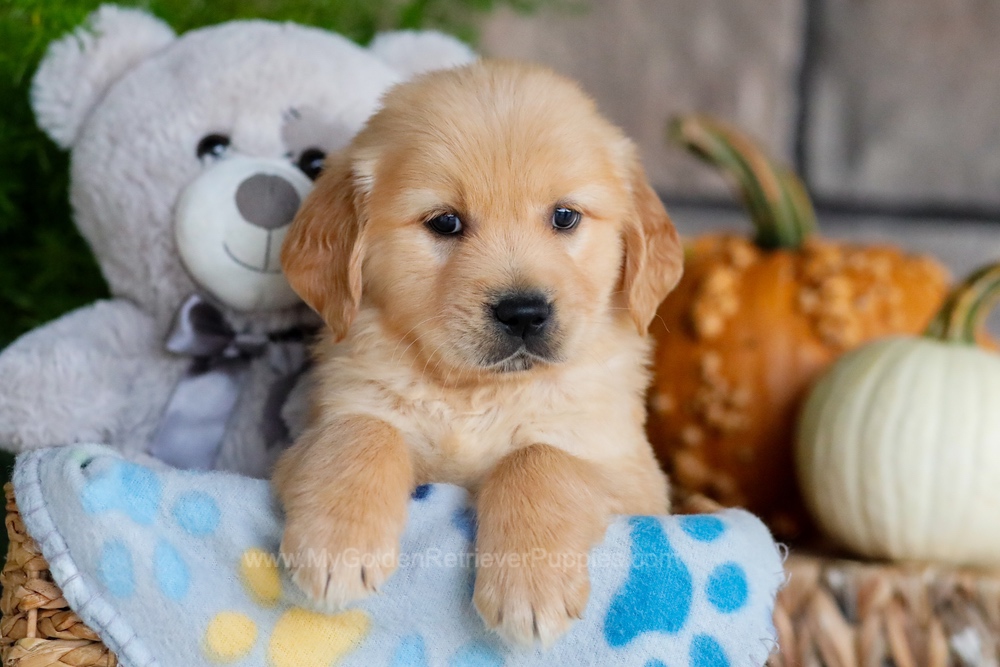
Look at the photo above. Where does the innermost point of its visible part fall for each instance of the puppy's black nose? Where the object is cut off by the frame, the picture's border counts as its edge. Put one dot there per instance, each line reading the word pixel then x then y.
pixel 523 315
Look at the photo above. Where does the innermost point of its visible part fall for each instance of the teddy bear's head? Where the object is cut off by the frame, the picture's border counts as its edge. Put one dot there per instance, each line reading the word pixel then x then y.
pixel 191 154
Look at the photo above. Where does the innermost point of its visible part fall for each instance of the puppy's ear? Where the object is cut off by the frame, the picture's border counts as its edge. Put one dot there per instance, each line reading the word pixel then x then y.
pixel 324 248
pixel 654 257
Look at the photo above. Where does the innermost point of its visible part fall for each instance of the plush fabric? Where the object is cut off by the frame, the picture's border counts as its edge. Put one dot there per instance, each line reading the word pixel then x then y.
pixel 177 569
pixel 132 102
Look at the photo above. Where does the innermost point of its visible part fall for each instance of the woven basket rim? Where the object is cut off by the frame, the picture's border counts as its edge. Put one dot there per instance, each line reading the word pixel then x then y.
pixel 835 611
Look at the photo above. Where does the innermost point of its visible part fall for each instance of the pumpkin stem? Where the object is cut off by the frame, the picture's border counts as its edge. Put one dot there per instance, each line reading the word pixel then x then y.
pixel 965 309
pixel 775 197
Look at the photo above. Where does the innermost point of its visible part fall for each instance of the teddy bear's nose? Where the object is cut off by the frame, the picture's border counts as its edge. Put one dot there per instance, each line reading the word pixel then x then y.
pixel 267 201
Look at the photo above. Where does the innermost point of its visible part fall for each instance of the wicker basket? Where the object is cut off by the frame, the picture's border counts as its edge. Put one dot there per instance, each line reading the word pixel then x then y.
pixel 832 613
pixel 38 629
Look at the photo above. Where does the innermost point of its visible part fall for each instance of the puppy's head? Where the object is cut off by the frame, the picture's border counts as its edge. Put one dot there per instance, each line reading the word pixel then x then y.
pixel 491 216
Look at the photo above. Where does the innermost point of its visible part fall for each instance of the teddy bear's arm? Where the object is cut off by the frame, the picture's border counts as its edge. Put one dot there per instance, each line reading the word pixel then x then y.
pixel 72 379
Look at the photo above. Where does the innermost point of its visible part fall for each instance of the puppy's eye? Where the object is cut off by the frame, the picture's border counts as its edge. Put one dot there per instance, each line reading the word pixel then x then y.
pixel 212 145
pixel 446 224
pixel 565 219
pixel 311 162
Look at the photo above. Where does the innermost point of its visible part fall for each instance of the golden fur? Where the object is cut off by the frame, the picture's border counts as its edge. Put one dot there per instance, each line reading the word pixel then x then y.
pixel 550 444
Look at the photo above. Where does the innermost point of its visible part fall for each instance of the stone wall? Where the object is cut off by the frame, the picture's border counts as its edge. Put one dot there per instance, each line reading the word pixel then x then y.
pixel 645 60
pixel 903 101
pixel 887 106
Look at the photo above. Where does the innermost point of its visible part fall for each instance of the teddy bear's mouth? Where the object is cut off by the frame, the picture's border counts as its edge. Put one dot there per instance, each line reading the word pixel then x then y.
pixel 250 267
pixel 230 222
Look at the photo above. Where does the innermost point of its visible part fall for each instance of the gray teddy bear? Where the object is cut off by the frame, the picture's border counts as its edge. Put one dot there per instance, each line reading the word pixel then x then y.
pixel 189 158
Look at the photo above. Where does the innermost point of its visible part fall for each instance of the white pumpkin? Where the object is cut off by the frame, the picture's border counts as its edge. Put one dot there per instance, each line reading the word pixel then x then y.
pixel 898 449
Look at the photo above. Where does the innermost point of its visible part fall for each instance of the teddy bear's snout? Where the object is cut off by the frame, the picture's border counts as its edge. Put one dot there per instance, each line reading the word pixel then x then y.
pixel 267 201
pixel 230 222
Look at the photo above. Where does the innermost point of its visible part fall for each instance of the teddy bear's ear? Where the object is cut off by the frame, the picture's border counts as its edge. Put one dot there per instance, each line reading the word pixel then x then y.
pixel 413 52
pixel 78 69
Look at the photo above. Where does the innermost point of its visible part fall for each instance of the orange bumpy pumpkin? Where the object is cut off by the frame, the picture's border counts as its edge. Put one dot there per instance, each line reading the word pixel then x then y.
pixel 752 324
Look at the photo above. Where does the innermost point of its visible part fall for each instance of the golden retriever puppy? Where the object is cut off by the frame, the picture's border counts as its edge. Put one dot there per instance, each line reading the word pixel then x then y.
pixel 488 256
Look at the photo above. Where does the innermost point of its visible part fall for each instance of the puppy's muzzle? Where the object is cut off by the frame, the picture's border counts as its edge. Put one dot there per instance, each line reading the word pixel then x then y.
pixel 524 332
pixel 523 316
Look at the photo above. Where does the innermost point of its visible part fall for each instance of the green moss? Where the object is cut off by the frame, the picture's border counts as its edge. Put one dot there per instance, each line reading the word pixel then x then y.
pixel 45 267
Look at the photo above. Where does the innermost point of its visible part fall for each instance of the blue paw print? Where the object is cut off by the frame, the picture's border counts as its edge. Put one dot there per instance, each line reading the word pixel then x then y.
pixel 703 527
pixel 706 652
pixel 421 492
pixel 170 571
pixel 657 595
pixel 476 654
pixel 126 487
pixel 727 588
pixel 465 521
pixel 410 652
pixel 114 569
pixel 197 513
pixel 138 492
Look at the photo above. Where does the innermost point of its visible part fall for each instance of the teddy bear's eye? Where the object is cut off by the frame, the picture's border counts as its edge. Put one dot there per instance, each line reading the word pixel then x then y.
pixel 311 162
pixel 212 145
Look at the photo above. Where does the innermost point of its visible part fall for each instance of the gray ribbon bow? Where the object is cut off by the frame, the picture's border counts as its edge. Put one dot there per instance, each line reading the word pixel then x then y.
pixel 194 423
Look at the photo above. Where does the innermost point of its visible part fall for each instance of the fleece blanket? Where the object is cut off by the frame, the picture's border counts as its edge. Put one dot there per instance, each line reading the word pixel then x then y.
pixel 178 569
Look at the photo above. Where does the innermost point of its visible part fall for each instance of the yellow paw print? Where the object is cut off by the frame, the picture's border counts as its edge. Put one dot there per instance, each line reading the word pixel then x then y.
pixel 301 638
pixel 230 636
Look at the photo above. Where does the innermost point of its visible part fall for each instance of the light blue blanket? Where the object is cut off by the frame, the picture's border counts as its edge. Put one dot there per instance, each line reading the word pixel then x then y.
pixel 177 569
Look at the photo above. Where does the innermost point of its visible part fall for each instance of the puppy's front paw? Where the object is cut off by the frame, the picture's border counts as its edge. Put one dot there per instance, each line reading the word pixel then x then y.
pixel 337 562
pixel 526 599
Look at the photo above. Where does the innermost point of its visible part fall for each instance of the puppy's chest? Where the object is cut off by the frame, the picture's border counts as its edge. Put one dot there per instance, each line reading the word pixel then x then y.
pixel 460 438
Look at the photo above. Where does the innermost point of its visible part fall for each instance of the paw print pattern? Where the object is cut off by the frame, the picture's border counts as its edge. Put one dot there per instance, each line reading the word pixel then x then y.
pixel 703 527
pixel 171 572
pixel 303 638
pixel 706 652
pixel 230 637
pixel 124 487
pixel 300 638
pixel 262 583
pixel 166 539
pixel 476 654
pixel 412 652
pixel 464 519
pixel 657 596
pixel 422 491
pixel 115 569
pixel 727 588
pixel 137 492
pixel 197 513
